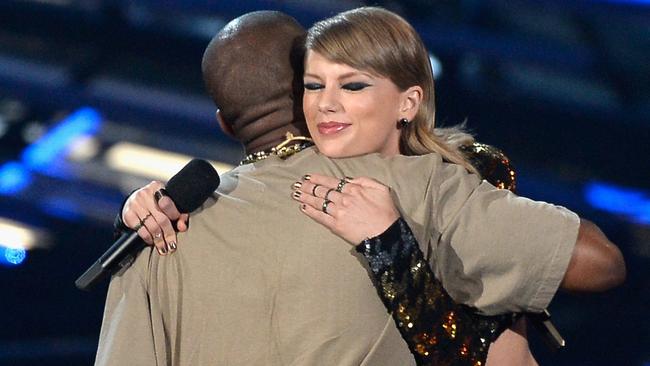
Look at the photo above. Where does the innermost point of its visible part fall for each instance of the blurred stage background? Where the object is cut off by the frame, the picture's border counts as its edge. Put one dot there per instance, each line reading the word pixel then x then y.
pixel 91 91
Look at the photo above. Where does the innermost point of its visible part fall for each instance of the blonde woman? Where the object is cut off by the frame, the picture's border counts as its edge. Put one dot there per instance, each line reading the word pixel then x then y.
pixel 369 89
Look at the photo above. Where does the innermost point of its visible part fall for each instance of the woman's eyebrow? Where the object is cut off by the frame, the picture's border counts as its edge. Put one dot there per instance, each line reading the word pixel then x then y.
pixel 353 74
pixel 342 76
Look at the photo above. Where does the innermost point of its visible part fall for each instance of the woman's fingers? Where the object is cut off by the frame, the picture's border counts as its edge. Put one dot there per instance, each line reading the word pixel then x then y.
pixel 327 207
pixel 183 223
pixel 318 216
pixel 164 236
pixel 317 190
pixel 352 208
pixel 323 180
pixel 157 228
pixel 132 220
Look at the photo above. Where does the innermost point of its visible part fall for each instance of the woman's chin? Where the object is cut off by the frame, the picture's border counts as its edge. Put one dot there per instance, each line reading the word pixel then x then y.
pixel 335 151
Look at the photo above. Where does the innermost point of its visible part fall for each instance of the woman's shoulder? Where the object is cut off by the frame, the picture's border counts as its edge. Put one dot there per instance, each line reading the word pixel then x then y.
pixel 493 165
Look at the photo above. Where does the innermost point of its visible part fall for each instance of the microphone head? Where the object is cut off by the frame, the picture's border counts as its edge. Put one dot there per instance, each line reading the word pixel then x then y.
pixel 192 185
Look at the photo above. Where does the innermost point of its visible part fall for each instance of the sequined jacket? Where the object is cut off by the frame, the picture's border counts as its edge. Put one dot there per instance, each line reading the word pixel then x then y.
pixel 438 330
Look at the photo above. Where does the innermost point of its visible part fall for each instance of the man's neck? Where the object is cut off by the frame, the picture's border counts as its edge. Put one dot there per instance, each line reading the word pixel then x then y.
pixel 287 147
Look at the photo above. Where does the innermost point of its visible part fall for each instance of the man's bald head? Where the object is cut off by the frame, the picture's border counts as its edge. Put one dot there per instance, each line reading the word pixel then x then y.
pixel 252 69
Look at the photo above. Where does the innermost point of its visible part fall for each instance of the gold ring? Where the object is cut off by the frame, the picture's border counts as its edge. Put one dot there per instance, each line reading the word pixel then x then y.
pixel 141 223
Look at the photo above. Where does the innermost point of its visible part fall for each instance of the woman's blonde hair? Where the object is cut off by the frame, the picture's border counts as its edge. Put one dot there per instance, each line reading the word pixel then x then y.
pixel 383 43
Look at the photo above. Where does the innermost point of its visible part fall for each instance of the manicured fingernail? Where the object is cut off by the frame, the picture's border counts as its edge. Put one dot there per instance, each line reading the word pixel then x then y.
pixel 296 194
pixel 297 185
pixel 303 207
pixel 172 245
pixel 306 177
pixel 162 251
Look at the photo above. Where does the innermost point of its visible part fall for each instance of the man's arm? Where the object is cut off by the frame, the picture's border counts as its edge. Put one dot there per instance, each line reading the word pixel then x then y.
pixel 596 264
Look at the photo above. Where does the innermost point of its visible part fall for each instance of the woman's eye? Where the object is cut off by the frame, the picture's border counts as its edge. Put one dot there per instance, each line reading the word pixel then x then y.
pixel 313 86
pixel 355 86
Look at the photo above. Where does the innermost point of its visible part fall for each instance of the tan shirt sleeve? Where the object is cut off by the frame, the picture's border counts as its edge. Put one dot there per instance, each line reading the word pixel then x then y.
pixel 127 336
pixel 497 251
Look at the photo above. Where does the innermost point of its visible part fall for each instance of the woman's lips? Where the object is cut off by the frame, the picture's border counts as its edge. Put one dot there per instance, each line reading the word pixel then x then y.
pixel 330 128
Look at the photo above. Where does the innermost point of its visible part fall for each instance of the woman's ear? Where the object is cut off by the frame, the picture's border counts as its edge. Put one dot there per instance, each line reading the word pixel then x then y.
pixel 225 126
pixel 411 99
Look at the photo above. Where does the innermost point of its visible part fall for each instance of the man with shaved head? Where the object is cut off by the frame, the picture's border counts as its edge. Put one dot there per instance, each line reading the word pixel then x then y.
pixel 256 282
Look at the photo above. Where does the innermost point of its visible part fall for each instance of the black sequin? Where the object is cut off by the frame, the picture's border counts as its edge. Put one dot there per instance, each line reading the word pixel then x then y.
pixel 437 330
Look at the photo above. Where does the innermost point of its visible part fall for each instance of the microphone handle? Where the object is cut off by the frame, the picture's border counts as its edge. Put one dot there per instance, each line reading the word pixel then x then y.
pixel 109 262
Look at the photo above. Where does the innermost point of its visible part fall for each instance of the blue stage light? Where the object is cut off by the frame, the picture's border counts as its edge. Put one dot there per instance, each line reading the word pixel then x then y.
pixel 633 203
pixel 632 2
pixel 45 150
pixel 62 208
pixel 13 178
pixel 12 256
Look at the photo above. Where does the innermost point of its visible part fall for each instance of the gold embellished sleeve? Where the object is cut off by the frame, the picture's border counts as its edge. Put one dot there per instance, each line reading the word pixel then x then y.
pixel 493 165
pixel 438 331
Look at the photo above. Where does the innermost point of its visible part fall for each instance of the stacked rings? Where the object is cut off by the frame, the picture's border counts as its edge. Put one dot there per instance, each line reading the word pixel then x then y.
pixel 341 184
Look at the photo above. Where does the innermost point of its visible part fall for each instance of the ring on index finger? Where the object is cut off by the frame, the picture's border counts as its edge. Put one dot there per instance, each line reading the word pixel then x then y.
pixel 341 184
pixel 162 192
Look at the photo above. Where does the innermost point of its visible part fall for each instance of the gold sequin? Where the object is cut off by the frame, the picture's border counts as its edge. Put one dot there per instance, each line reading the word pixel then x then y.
pixel 437 330
pixel 493 165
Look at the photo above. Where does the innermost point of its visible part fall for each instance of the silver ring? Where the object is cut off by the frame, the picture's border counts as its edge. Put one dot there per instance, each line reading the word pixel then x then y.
pixel 328 193
pixel 325 203
pixel 341 184
pixel 158 235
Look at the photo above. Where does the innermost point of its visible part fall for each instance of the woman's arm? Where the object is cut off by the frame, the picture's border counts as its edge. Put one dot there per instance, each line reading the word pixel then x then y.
pixel 365 208
pixel 437 330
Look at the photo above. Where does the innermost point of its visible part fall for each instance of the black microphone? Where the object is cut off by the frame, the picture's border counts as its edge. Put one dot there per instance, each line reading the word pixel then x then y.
pixel 189 188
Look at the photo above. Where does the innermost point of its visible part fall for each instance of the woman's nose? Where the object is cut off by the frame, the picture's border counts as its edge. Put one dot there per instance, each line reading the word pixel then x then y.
pixel 328 101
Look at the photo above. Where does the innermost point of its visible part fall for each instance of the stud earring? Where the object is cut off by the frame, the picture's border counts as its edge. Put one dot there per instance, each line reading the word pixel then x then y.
pixel 403 122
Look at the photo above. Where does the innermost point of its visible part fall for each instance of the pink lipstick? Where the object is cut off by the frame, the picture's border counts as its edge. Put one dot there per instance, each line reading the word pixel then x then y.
pixel 330 128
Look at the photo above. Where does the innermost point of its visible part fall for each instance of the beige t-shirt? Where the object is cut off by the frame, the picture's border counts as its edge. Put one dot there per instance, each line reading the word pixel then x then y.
pixel 256 282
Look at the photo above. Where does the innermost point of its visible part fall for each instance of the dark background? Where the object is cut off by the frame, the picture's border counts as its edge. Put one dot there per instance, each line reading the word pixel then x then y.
pixel 563 87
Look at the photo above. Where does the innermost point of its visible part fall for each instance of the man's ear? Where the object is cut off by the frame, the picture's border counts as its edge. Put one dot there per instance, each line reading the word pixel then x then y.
pixel 411 99
pixel 225 126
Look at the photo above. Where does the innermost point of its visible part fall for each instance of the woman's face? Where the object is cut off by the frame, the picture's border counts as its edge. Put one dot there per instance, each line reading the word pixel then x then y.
pixel 350 112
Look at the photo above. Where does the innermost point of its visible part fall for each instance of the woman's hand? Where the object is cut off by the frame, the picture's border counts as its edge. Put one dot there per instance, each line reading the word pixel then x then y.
pixel 354 209
pixel 150 212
